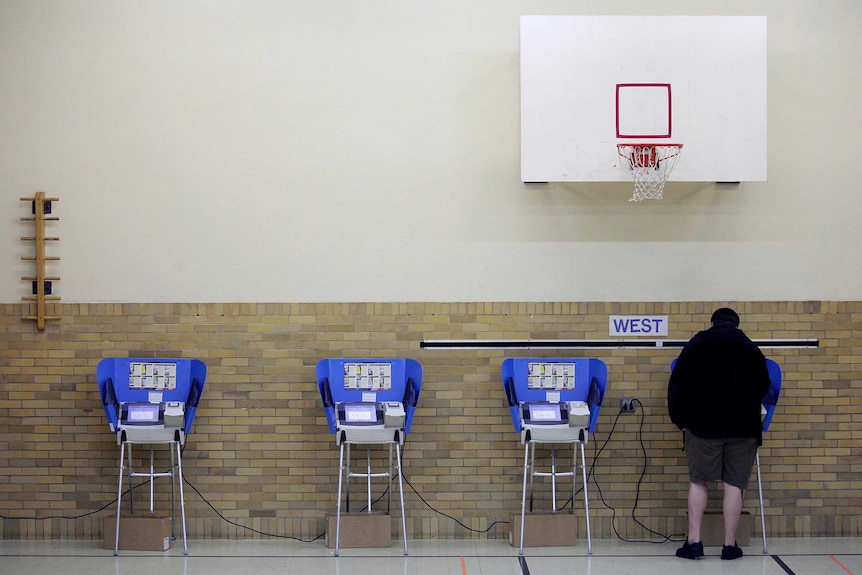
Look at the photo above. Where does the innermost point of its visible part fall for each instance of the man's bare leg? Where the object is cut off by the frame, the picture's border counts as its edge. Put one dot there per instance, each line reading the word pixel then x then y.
pixel 697 499
pixel 732 508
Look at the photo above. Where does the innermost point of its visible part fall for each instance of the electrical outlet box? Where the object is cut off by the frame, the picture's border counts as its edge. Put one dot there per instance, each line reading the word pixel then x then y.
pixel 627 405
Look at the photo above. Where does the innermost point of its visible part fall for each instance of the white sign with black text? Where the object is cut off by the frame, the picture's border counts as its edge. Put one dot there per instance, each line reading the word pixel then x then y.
pixel 638 325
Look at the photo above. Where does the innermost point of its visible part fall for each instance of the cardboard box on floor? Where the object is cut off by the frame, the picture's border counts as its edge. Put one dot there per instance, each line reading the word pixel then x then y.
pixel 712 529
pixel 359 530
pixel 138 532
pixel 544 529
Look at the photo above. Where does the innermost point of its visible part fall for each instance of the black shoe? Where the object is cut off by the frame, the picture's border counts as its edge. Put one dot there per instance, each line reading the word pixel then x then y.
pixel 691 550
pixel 729 552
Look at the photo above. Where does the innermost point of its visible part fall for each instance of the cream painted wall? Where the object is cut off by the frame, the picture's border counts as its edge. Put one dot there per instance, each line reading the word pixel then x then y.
pixel 369 151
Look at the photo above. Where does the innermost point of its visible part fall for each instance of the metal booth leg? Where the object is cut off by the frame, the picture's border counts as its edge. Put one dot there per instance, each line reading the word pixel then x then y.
pixel 119 499
pixel 338 503
pixel 344 475
pixel 130 469
pixel 574 473
pixel 760 496
pixel 182 495
pixel 586 499
pixel 553 479
pixel 368 476
pixel 347 477
pixel 173 495
pixel 524 494
pixel 389 491
pixel 400 492
pixel 152 478
pixel 532 472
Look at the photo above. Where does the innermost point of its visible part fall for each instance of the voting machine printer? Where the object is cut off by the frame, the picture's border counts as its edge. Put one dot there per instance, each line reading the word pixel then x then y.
pixel 554 401
pixel 151 401
pixel 370 402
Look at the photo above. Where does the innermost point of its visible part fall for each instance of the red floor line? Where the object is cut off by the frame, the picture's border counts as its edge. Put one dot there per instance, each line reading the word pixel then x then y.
pixel 464 567
pixel 840 564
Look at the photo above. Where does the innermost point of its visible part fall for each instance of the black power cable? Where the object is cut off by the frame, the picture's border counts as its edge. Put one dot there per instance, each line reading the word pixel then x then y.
pixel 664 538
pixel 437 511
pixel 591 475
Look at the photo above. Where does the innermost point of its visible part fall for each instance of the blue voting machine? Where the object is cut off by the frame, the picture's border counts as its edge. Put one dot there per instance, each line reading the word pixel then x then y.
pixel 151 401
pixel 370 402
pixel 554 401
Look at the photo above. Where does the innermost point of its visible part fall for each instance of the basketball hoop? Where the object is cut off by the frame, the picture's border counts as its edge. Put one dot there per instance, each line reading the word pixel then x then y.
pixel 650 165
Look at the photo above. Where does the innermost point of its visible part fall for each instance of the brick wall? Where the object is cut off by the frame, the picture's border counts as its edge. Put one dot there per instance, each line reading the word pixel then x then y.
pixel 261 453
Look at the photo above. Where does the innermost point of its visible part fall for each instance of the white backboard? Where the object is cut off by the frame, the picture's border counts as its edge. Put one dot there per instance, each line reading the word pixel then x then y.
pixel 591 82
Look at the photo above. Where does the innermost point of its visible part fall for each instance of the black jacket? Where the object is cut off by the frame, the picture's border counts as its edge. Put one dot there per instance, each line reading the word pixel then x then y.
pixel 717 385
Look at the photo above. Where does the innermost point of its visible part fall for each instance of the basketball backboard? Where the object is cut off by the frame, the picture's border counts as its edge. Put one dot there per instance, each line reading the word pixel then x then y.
pixel 589 83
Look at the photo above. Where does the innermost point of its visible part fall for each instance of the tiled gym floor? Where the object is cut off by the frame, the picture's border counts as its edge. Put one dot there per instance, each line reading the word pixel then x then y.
pixel 808 556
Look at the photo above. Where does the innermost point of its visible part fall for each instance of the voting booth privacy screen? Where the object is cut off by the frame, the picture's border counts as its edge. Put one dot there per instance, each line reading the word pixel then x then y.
pixel 367 399
pixel 563 392
pixel 147 394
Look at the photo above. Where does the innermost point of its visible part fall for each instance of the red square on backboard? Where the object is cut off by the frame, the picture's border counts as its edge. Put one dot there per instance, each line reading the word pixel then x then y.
pixel 644 111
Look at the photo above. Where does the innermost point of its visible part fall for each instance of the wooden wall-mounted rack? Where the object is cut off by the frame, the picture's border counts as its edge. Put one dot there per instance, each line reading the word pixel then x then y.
pixel 42 287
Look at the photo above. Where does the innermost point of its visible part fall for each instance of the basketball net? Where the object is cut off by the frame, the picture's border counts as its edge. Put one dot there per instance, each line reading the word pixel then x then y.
pixel 649 165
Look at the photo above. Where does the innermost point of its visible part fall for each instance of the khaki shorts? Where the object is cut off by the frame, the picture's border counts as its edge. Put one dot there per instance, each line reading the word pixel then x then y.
pixel 729 460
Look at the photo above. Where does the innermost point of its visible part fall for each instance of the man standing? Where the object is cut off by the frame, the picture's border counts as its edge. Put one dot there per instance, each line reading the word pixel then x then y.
pixel 714 395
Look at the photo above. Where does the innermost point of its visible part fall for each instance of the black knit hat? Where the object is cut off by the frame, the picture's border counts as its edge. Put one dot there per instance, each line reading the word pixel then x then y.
pixel 725 315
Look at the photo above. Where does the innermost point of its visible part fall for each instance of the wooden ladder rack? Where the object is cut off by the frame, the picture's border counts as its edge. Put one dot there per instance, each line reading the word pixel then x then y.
pixel 41 207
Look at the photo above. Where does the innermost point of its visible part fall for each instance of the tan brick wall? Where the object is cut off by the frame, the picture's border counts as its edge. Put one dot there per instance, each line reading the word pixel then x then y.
pixel 262 455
